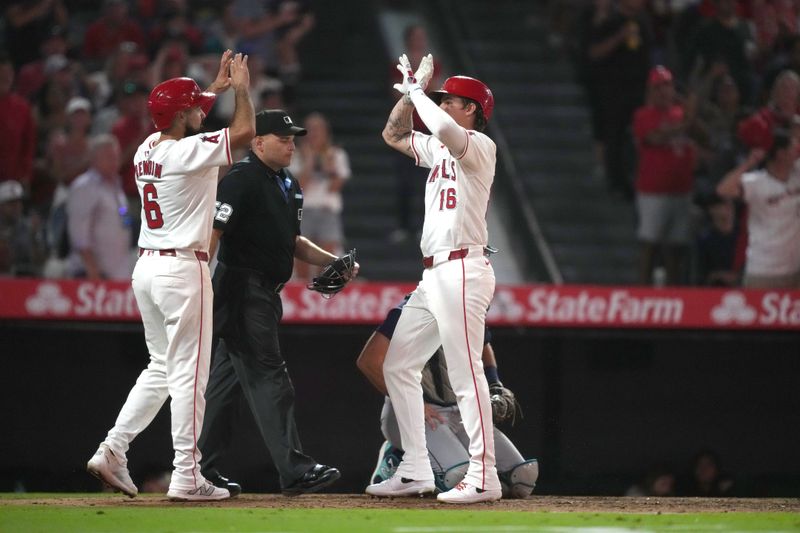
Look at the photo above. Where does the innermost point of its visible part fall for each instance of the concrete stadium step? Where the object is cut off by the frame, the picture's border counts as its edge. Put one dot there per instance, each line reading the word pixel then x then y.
pixel 599 273
pixel 509 49
pixel 586 209
pixel 616 233
pixel 565 188
pixel 539 94
pixel 541 161
pixel 518 71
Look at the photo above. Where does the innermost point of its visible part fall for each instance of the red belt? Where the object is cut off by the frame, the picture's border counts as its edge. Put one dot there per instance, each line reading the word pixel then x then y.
pixel 202 256
pixel 427 262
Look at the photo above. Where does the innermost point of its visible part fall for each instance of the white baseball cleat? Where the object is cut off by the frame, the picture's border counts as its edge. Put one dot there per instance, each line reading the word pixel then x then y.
pixel 106 466
pixel 466 493
pixel 204 493
pixel 399 486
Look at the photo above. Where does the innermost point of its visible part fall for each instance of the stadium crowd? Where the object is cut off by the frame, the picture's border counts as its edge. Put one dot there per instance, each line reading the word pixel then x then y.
pixel 680 93
pixel 74 82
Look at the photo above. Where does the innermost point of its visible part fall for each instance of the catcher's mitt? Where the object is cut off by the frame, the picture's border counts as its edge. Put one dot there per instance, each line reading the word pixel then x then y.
pixel 335 276
pixel 505 408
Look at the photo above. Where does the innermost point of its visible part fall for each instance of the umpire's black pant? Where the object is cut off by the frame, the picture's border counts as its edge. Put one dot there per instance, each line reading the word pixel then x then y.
pixel 248 361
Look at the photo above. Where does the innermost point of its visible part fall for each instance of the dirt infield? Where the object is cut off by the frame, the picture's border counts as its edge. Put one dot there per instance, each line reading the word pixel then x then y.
pixel 559 504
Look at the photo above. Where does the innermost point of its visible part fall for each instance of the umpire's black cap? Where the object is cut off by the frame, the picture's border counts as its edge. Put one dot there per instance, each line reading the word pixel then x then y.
pixel 278 122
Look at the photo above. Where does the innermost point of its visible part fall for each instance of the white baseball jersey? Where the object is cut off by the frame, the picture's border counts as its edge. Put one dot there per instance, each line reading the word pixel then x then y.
pixel 773 223
pixel 177 182
pixel 457 191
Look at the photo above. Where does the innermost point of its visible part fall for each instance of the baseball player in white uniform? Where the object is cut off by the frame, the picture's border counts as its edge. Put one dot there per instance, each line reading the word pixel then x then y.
pixel 448 307
pixel 176 172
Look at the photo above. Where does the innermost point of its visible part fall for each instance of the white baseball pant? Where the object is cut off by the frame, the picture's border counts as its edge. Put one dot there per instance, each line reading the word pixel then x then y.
pixel 448 308
pixel 174 296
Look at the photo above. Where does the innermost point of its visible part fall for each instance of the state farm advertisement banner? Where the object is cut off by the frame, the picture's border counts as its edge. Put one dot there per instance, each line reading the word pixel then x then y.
pixel 569 306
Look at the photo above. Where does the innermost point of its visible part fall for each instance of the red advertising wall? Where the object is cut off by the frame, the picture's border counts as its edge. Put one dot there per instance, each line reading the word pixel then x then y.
pixel 569 306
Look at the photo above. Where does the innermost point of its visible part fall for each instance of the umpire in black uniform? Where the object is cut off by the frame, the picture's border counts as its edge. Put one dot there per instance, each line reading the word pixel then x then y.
pixel 257 226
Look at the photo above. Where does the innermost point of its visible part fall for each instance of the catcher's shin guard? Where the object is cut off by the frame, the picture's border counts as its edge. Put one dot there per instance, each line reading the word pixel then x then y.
pixel 519 481
pixel 454 475
pixel 389 458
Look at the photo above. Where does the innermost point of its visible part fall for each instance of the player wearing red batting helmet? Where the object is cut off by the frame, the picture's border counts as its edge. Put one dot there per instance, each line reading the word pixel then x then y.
pixel 170 97
pixel 176 171
pixel 472 89
pixel 454 237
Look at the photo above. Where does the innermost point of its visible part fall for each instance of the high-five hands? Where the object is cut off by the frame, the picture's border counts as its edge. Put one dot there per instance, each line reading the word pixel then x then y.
pixel 424 72
pixel 240 74
pixel 412 80
pixel 222 82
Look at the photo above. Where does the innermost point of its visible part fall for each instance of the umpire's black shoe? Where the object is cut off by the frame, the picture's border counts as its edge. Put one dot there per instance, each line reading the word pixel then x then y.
pixel 224 483
pixel 314 480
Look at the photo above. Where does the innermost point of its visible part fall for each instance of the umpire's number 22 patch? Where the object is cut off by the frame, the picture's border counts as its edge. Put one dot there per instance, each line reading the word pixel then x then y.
pixel 224 212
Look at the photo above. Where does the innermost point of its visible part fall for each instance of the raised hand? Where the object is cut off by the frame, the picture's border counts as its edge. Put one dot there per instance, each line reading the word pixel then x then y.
pixel 223 81
pixel 240 74
pixel 424 72
pixel 409 81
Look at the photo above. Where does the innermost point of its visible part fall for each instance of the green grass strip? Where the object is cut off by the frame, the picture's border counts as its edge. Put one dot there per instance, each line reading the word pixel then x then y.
pixel 41 518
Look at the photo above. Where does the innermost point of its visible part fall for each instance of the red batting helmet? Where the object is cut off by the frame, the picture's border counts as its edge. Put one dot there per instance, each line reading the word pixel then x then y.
pixel 471 88
pixel 174 95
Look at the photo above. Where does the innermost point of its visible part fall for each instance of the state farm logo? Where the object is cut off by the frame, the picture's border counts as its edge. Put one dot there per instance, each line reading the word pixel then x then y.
pixel 547 305
pixel 734 309
pixel 774 309
pixel 48 299
pixel 89 300
pixel 356 303
pixel 505 307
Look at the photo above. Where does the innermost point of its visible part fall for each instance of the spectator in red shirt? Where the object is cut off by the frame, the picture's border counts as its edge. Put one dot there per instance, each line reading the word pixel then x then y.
pixel 774 20
pixel 131 129
pixel 114 27
pixel 664 179
pixel 17 129
pixel 32 74
pixel 756 130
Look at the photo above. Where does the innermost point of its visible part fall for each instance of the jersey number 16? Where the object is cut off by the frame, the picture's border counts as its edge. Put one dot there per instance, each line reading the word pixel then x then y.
pixel 447 199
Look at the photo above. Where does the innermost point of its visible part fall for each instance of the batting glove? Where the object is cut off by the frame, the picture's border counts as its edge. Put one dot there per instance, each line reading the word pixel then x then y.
pixel 409 80
pixel 424 72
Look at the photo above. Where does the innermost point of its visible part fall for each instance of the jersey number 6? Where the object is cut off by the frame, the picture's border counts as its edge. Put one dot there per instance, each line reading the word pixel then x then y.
pixel 152 211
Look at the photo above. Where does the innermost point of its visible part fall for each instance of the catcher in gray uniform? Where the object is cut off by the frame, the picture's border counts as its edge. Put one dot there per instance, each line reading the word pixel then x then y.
pixel 444 432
